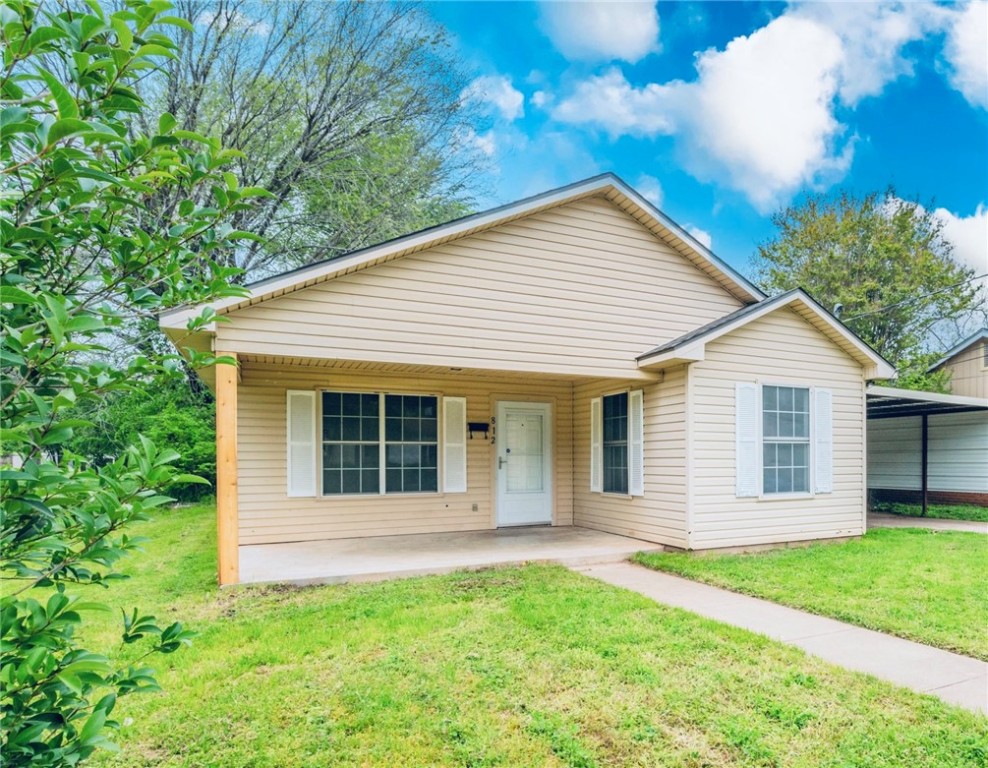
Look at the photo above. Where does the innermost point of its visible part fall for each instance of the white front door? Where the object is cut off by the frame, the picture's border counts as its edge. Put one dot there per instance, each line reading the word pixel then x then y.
pixel 524 463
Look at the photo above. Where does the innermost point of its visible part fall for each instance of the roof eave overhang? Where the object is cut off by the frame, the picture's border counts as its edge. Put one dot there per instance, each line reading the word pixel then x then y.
pixel 892 402
pixel 691 353
pixel 874 365
pixel 962 346
pixel 608 186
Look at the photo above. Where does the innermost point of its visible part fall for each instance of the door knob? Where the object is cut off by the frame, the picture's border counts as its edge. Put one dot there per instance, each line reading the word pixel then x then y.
pixel 501 461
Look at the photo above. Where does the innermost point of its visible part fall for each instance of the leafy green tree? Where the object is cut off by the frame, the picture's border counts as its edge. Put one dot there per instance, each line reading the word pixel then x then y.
pixel 172 414
pixel 349 113
pixel 81 253
pixel 883 263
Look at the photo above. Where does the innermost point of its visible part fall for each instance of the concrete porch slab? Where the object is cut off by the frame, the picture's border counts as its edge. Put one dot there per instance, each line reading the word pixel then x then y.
pixel 388 557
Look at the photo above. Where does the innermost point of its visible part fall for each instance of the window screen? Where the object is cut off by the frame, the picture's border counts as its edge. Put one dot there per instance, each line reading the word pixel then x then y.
pixel 785 440
pixel 615 444
pixel 411 443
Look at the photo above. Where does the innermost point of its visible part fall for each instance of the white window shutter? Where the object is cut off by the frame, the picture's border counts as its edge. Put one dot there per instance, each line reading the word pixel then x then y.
pixel 746 414
pixel 301 433
pixel 596 447
pixel 823 441
pixel 636 442
pixel 454 444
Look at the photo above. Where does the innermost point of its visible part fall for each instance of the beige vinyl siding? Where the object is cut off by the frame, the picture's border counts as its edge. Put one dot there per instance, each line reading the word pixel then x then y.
pixel 268 515
pixel 780 348
pixel 578 290
pixel 659 515
pixel 957 453
pixel 968 374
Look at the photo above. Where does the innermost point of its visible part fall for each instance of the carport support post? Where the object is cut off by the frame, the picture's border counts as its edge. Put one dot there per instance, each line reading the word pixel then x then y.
pixel 925 441
pixel 227 514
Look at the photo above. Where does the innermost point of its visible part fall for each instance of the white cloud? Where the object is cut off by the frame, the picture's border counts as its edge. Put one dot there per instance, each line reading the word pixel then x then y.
pixel 873 38
pixel 969 236
pixel 966 51
pixel 761 111
pixel 758 117
pixel 497 92
pixel 761 115
pixel 701 236
pixel 650 189
pixel 612 103
pixel 483 143
pixel 539 99
pixel 236 20
pixel 602 31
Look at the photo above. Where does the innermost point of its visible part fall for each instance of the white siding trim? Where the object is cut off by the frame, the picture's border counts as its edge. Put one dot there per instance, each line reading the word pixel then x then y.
pixel 688 439
pixel 864 459
pixel 300 410
pixel 747 438
pixel 454 444
pixel 636 443
pixel 822 419
pixel 596 446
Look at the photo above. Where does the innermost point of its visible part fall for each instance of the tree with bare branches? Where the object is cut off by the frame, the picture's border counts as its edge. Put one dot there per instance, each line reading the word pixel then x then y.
pixel 348 113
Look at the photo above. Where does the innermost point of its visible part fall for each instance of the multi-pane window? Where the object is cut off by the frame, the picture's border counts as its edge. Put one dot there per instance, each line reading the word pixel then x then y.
pixel 785 439
pixel 354 452
pixel 411 443
pixel 615 443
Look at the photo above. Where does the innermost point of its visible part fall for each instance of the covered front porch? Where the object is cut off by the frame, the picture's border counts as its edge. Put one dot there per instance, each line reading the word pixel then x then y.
pixel 377 558
pixel 498 463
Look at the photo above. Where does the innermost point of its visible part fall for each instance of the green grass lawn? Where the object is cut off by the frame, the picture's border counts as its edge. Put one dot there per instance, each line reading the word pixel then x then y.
pixel 534 666
pixel 928 586
pixel 934 511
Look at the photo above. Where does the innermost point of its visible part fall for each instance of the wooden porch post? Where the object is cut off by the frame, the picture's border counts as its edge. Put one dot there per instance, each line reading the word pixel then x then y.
pixel 227 515
pixel 925 462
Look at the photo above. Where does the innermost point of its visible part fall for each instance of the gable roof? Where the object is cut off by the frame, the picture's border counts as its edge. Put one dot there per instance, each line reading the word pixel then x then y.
pixel 606 186
pixel 959 347
pixel 690 347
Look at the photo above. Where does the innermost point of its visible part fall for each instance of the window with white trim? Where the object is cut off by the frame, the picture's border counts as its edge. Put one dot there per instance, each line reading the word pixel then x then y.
pixel 615 444
pixel 785 439
pixel 411 443
pixel 363 453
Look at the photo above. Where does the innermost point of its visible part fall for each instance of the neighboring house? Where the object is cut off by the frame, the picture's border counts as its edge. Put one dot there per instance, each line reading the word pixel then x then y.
pixel 968 366
pixel 575 358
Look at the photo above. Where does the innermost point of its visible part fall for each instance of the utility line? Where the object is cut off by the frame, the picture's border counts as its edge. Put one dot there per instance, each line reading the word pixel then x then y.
pixel 915 298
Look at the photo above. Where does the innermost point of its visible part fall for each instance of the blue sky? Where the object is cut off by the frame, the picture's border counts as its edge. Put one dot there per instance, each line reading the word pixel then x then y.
pixel 723 112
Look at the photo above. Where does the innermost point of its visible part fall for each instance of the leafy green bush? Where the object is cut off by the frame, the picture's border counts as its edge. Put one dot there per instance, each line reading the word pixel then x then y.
pixel 80 261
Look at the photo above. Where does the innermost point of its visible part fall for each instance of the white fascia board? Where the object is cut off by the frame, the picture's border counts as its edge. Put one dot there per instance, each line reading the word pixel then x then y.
pixel 708 255
pixel 691 353
pixel 881 368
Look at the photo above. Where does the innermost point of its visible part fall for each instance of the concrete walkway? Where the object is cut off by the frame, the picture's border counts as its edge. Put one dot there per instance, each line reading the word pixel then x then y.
pixel 954 678
pixel 885 520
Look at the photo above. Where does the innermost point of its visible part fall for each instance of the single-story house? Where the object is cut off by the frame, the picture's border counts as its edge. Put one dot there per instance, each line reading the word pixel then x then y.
pixel 572 359
pixel 967 362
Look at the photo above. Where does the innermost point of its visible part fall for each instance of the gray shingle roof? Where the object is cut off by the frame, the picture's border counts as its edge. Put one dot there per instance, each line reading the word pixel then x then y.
pixel 710 327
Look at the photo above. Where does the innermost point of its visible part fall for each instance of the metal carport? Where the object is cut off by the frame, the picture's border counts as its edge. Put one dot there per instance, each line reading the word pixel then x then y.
pixel 889 402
